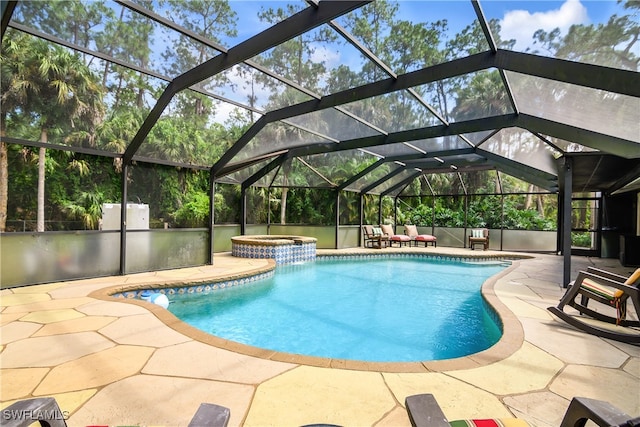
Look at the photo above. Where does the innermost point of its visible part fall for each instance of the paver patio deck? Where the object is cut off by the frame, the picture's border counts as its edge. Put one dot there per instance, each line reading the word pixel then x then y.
pixel 109 362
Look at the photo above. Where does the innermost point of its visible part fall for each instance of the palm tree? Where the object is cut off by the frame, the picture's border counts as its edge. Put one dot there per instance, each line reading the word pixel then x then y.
pixel 10 61
pixel 484 95
pixel 60 92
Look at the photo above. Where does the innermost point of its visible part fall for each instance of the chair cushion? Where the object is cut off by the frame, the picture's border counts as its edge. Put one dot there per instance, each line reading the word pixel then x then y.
pixel 477 233
pixel 377 231
pixel 602 290
pixel 411 230
pixel 387 229
pixel 400 238
pixel 503 422
pixel 425 238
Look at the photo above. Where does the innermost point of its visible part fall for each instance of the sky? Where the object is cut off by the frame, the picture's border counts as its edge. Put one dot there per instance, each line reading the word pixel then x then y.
pixel 519 19
pixel 520 24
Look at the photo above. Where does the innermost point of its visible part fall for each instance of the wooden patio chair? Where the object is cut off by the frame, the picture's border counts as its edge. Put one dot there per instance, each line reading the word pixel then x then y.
pixel 374 238
pixel 605 288
pixel 400 239
pixel 412 232
pixel 479 236
pixel 424 411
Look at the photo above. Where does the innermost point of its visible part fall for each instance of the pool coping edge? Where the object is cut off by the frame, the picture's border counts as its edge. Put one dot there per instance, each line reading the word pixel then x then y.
pixel 511 340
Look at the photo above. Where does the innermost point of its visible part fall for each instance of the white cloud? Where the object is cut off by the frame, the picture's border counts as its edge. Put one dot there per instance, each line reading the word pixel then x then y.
pixel 223 111
pixel 522 24
pixel 325 54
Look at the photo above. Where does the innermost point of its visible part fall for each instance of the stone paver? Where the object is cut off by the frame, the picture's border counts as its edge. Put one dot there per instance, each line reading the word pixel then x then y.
pixel 142 329
pixel 160 401
pixel 513 286
pixel 10 317
pixel 396 418
pixel 83 288
pixel 17 330
pixel 95 370
pixel 457 399
pixel 39 289
pixel 198 360
pixel 611 385
pixel 571 345
pixel 20 299
pixel 118 364
pixel 525 309
pixel 17 383
pixel 520 299
pixel 52 350
pixel 52 316
pixel 81 324
pixel 111 308
pixel 544 409
pixel 633 367
pixel 528 369
pixel 51 304
pixel 631 350
pixel 70 402
pixel 308 395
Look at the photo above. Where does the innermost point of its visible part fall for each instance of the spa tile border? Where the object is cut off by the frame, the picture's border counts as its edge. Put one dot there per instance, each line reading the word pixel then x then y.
pixel 200 288
pixel 223 283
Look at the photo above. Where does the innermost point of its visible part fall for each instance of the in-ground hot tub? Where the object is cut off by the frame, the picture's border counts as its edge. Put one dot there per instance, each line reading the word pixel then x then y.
pixel 284 249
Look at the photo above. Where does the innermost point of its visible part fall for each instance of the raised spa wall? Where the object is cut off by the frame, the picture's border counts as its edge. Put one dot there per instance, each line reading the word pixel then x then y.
pixel 283 249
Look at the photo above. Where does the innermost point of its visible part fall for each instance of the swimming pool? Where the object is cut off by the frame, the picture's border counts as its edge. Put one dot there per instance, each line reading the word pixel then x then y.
pixel 392 309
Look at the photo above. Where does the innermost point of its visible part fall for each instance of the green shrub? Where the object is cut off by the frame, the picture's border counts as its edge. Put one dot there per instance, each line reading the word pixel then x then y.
pixel 193 213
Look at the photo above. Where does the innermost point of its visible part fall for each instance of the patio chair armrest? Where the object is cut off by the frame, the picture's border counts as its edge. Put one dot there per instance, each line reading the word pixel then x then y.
pixel 210 415
pixel 604 273
pixel 424 411
pixel 572 289
pixel 602 413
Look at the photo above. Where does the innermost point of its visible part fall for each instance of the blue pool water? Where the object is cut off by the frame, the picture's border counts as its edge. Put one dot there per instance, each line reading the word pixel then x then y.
pixel 385 310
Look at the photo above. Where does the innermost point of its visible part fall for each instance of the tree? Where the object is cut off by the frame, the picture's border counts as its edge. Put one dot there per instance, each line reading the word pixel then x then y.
pixel 73 21
pixel 611 44
pixel 209 19
pixel 484 96
pixel 57 91
pixel 129 37
pixel 293 60
pixel 11 62
pixel 371 24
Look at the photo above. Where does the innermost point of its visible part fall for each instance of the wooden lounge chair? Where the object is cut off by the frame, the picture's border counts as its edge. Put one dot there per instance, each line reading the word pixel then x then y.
pixel 479 236
pixel 400 239
pixel 412 232
pixel 374 238
pixel 605 288
pixel 424 411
